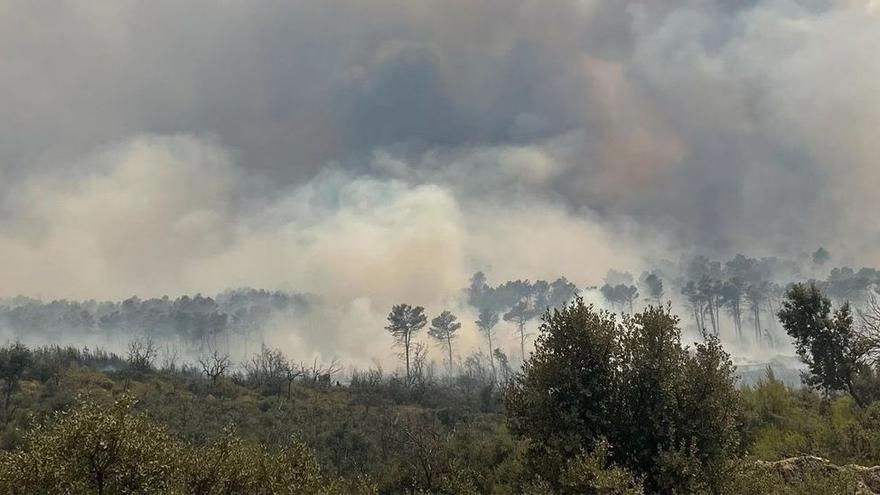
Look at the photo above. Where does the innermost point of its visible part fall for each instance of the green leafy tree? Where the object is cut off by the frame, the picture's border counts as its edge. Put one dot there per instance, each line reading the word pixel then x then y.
pixel 14 362
pixel 593 472
pixel 94 449
pixel 99 449
pixel 827 343
pixel 562 399
pixel 669 414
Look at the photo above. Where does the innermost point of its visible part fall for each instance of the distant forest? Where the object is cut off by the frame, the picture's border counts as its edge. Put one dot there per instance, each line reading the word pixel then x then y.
pixel 192 322
pixel 735 299
pixel 605 404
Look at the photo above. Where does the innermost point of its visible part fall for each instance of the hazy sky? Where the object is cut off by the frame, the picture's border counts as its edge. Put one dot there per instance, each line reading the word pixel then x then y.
pixel 376 150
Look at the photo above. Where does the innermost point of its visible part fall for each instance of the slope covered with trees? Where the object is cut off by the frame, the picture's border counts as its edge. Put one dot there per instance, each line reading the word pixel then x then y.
pixel 605 404
pixel 604 392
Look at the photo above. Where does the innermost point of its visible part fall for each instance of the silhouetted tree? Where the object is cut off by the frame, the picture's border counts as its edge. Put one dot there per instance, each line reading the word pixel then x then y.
pixel 214 365
pixel 141 353
pixel 504 365
pixel 821 256
pixel 731 296
pixel 404 321
pixel 479 294
pixel 14 361
pixel 756 294
pixel 653 287
pixel 696 302
pixel 266 370
pixel 444 329
pixel 620 295
pixel 486 323
pixel 561 291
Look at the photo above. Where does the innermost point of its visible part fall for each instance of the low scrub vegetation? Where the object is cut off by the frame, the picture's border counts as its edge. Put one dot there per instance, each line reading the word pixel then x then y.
pixel 605 404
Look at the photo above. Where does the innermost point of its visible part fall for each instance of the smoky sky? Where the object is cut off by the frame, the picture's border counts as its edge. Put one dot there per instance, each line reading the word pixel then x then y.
pixel 380 148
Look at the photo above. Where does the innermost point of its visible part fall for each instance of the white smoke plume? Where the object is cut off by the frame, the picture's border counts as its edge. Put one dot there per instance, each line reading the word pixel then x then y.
pixel 379 152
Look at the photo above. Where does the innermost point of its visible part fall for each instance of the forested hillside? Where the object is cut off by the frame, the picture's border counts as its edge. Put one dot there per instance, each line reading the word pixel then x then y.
pixel 502 247
pixel 604 404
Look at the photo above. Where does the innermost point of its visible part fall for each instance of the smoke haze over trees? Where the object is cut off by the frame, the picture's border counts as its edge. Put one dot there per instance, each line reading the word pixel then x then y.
pixel 439 246
pixel 388 160
pixel 308 148
pixel 736 300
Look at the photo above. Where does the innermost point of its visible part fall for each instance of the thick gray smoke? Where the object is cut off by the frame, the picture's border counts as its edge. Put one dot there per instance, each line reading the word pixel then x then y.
pixel 373 152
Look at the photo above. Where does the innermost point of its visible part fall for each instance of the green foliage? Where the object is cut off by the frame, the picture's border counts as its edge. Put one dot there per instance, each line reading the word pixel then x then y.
pixel 103 450
pixel 827 344
pixel 669 414
pixel 351 429
pixel 671 419
pixel 590 473
pixel 563 398
pixel 14 361
pixel 93 450
pixel 782 422
pixel 799 476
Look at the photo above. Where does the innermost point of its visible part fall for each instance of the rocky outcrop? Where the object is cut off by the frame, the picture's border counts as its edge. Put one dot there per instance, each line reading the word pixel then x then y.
pixel 794 469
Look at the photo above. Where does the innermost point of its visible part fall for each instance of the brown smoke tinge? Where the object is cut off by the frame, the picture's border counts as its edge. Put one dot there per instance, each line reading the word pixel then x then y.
pixel 376 152
pixel 165 216
pixel 636 148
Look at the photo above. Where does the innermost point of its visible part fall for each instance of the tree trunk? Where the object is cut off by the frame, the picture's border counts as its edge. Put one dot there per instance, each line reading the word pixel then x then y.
pixel 702 313
pixel 772 324
pixel 757 311
pixel 712 318
pixel 737 321
pixel 406 353
pixel 859 401
pixel 449 347
pixel 491 358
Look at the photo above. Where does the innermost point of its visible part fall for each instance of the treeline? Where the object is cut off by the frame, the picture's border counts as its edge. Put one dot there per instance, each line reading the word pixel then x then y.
pixel 736 299
pixel 194 323
pixel 517 301
pixel 605 404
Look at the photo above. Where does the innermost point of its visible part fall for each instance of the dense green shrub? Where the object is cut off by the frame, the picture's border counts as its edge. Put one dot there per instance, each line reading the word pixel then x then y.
pixel 668 412
pixel 446 436
pixel 103 450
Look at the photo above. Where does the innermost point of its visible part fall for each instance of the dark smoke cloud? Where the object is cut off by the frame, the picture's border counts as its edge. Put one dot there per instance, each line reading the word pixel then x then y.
pixel 163 146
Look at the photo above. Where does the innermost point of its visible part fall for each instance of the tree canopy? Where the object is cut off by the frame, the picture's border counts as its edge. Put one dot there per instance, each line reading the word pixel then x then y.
pixel 660 405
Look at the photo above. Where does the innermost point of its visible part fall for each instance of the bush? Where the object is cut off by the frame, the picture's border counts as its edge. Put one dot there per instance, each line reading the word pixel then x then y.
pixel 669 413
pixel 102 450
